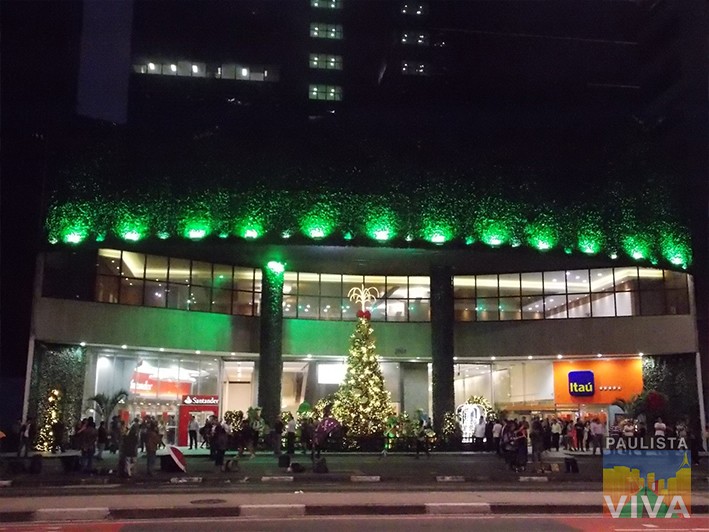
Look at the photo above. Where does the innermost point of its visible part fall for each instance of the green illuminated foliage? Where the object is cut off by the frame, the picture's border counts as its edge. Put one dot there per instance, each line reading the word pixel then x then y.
pixel 637 224
pixel 320 220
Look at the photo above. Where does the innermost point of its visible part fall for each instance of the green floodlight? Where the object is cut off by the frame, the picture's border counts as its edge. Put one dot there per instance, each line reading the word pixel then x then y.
pixel 251 233
pixel 276 267
pixel 196 234
pixel 74 237
pixel 163 235
pixel 132 236
pixel 382 235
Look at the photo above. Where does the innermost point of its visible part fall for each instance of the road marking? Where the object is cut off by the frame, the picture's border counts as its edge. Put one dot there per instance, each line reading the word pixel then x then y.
pixel 457 508
pixel 70 514
pixel 365 478
pixel 272 510
pixel 277 479
pixel 534 479
pixel 450 478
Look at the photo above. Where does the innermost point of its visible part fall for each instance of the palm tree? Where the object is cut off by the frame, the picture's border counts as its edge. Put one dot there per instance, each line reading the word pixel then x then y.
pixel 105 405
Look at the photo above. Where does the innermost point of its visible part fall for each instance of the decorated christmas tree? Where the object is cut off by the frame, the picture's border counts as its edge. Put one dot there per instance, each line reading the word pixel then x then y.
pixel 362 404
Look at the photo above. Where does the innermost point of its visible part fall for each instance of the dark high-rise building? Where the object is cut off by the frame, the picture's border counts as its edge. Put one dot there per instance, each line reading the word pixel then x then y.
pixel 495 170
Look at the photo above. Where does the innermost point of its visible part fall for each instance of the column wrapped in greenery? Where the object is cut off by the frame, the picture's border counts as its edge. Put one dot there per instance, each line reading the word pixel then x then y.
pixel 270 354
pixel 60 369
pixel 442 320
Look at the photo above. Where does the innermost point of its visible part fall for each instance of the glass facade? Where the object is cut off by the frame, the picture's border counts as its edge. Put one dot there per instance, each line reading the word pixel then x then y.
pixel 330 93
pixel 131 278
pixel 319 30
pixel 326 61
pixel 569 294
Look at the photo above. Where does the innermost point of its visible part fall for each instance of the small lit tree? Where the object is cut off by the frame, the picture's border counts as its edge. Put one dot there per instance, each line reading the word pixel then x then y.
pixel 362 403
pixel 51 416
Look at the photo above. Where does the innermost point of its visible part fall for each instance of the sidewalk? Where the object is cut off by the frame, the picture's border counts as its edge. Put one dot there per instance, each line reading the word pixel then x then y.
pixel 299 503
pixel 480 469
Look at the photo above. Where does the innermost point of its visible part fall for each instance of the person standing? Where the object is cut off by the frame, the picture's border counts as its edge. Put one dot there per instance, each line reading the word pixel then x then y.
pixel 87 438
pixel 129 448
pixel 579 429
pixel 421 438
pixel 28 431
pixel 479 435
pixel 536 437
pixel 660 427
pixel 192 429
pixel 290 435
pixel 597 431
pixel 496 432
pixel 101 440
pixel 555 433
pixel 153 439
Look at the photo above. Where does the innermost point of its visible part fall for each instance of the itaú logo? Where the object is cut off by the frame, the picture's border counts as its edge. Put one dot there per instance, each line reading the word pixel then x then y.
pixel 581 383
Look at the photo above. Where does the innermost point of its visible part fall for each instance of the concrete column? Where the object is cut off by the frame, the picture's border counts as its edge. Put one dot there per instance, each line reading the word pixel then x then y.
pixel 270 351
pixel 442 344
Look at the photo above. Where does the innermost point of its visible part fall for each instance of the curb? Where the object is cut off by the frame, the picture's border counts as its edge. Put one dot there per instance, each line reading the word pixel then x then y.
pixel 299 510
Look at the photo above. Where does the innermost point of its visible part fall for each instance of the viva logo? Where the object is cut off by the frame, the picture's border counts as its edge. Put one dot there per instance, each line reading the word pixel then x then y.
pixel 650 505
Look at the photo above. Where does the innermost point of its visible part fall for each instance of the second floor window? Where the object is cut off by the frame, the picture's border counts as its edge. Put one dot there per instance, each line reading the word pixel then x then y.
pixel 325 31
pixel 326 62
pixel 326 4
pixel 331 93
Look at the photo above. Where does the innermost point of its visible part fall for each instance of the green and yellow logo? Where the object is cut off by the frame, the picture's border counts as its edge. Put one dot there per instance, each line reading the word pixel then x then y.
pixel 648 483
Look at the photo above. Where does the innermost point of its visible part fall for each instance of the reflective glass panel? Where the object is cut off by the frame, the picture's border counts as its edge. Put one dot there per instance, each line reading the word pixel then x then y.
pixel 555 307
pixel 397 286
pixel 419 287
pixel 330 285
pixel 397 309
pixel 652 302
pixel 290 306
pixel 201 273
pixel 243 303
pixel 532 283
pixel 330 308
pixel 675 280
pixel 351 281
pixel 221 276
pixel 577 282
pixel 419 310
pixel 257 279
pixel 155 294
pixel 349 309
pixel 486 285
pixel 510 308
pixel 156 268
pixel 308 307
pixel 378 282
pixel 464 309
pixel 378 310
pixel 107 289
pixel 509 284
pixel 626 303
pixel 308 284
pixel 464 286
pixel 244 279
pixel 579 306
pixel 602 280
pixel 133 264
pixel 532 308
pixel 290 283
pixel 131 291
pixel 487 309
pixel 221 301
pixel 200 298
pixel 555 282
pixel 677 301
pixel 179 271
pixel 650 279
pixel 108 262
pixel 178 296
pixel 208 382
pixel 626 278
pixel 603 305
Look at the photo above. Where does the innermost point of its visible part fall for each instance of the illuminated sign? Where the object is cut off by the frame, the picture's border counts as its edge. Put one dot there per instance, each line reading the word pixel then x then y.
pixel 200 399
pixel 581 383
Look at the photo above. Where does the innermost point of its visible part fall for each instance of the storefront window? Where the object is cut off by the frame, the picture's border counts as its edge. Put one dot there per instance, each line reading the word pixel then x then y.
pixel 131 291
pixel 179 271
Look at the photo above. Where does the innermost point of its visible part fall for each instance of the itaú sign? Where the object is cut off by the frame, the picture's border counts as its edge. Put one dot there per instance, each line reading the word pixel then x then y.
pixel 581 383
pixel 200 399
